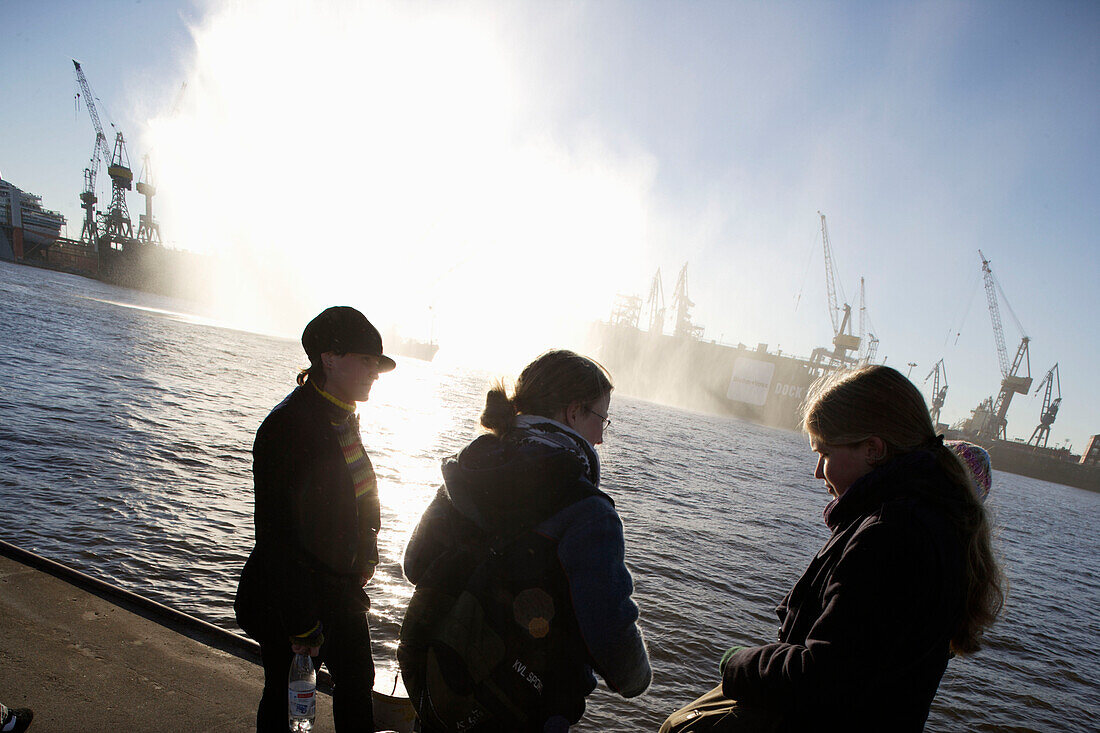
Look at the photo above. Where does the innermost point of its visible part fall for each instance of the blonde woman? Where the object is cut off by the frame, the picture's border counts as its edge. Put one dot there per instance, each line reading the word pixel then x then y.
pixel 906 580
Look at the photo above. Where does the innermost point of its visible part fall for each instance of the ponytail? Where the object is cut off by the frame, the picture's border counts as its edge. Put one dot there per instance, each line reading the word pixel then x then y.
pixel 499 415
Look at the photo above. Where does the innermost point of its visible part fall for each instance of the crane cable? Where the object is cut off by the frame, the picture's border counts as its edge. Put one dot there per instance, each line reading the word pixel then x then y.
pixel 806 272
pixel 969 303
pixel 1010 311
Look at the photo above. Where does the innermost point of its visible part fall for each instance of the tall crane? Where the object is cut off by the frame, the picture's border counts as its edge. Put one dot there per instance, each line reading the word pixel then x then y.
pixel 939 393
pixel 625 311
pixel 117 227
pixel 843 338
pixel 1012 382
pixel 148 228
pixel 655 305
pixel 683 304
pixel 1052 382
pixel 89 232
pixel 868 342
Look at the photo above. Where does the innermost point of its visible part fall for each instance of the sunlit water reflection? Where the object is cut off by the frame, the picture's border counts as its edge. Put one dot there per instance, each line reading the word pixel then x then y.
pixel 125 437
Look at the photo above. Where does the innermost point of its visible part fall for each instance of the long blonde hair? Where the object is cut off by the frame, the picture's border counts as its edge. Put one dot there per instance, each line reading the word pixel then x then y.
pixel 852 406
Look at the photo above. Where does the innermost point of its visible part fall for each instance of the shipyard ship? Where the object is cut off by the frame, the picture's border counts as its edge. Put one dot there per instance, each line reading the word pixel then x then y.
pixel 26 229
pixel 685 370
pixel 415 348
pixel 754 384
pixel 108 248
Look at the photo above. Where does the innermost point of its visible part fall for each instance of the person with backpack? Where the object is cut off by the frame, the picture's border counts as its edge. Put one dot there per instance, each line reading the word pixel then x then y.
pixel 521 588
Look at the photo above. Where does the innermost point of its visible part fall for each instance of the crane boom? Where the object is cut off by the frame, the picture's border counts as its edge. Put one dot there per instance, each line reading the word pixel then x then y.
pixel 1012 382
pixel 656 305
pixel 830 277
pixel 862 314
pixel 89 104
pixel 117 228
pixel 995 314
pixel 843 338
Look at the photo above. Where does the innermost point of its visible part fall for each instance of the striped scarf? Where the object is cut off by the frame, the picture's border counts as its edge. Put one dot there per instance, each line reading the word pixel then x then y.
pixel 346 424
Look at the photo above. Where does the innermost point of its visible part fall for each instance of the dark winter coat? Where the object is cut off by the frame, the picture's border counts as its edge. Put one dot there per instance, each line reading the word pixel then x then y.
pixel 865 631
pixel 314 540
pixel 496 486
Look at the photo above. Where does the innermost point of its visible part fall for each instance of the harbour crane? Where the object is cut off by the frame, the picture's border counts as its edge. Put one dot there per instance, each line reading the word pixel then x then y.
pixel 1052 382
pixel 117 227
pixel 148 228
pixel 993 422
pixel 625 311
pixel 843 338
pixel 868 342
pixel 939 393
pixel 655 305
pixel 89 232
pixel 683 304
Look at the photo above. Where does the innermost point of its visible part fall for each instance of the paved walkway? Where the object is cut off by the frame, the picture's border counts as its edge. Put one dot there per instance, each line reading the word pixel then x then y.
pixel 84 664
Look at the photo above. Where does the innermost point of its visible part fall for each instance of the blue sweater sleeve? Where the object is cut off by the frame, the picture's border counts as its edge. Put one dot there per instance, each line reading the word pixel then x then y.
pixel 433 534
pixel 591 552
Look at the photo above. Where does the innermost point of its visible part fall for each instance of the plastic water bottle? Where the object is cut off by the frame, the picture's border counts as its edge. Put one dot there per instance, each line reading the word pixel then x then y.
pixel 302 691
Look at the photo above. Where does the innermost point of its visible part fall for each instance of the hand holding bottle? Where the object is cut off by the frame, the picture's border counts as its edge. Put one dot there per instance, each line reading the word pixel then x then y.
pixel 302 694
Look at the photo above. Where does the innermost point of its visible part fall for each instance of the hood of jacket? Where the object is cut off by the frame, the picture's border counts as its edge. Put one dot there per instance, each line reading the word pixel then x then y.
pixel 508 484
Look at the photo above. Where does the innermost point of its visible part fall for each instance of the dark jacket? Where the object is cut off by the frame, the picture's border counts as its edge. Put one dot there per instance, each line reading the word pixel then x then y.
pixel 498 486
pixel 314 540
pixel 865 631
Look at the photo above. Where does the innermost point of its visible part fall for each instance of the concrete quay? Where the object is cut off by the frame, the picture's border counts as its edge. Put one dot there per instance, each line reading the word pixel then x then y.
pixel 85 663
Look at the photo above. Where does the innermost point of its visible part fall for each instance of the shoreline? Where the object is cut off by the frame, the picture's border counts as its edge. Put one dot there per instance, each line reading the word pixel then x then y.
pixel 88 655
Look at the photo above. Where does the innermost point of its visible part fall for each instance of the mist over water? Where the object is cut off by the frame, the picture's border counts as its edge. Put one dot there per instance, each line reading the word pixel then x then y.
pixel 125 435
pixel 398 158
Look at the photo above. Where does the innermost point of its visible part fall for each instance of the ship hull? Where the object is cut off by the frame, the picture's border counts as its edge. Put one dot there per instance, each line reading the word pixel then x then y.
pixel 1047 464
pixel 26 229
pixel 151 267
pixel 770 389
pixel 753 384
pixel 416 349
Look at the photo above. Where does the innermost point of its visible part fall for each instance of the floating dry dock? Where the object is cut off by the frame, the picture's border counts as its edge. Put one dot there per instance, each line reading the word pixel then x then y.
pixel 87 656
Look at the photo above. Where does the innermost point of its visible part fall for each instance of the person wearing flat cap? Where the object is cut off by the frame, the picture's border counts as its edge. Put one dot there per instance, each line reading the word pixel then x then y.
pixel 317 518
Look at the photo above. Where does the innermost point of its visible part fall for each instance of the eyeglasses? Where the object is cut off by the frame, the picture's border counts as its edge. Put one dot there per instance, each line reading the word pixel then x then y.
pixel 603 418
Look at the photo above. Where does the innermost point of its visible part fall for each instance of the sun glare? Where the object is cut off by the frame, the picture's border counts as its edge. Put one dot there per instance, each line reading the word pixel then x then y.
pixel 386 155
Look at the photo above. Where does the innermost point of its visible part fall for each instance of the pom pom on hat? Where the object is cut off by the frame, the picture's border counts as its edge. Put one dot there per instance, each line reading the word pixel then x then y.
pixel 976 460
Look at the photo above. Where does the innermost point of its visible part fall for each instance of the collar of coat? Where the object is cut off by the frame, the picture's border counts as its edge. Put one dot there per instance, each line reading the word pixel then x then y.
pixel 871 490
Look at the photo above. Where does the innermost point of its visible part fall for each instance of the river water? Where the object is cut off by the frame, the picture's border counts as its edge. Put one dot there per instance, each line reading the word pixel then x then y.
pixel 125 437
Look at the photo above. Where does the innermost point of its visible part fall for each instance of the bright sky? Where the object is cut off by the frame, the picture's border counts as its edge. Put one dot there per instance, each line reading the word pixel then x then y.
pixel 497 172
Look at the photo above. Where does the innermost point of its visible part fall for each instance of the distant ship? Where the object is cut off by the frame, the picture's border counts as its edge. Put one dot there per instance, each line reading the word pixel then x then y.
pixel 1049 464
pixel 151 267
pixel 1059 465
pixel 423 350
pixel 31 235
pixel 26 229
